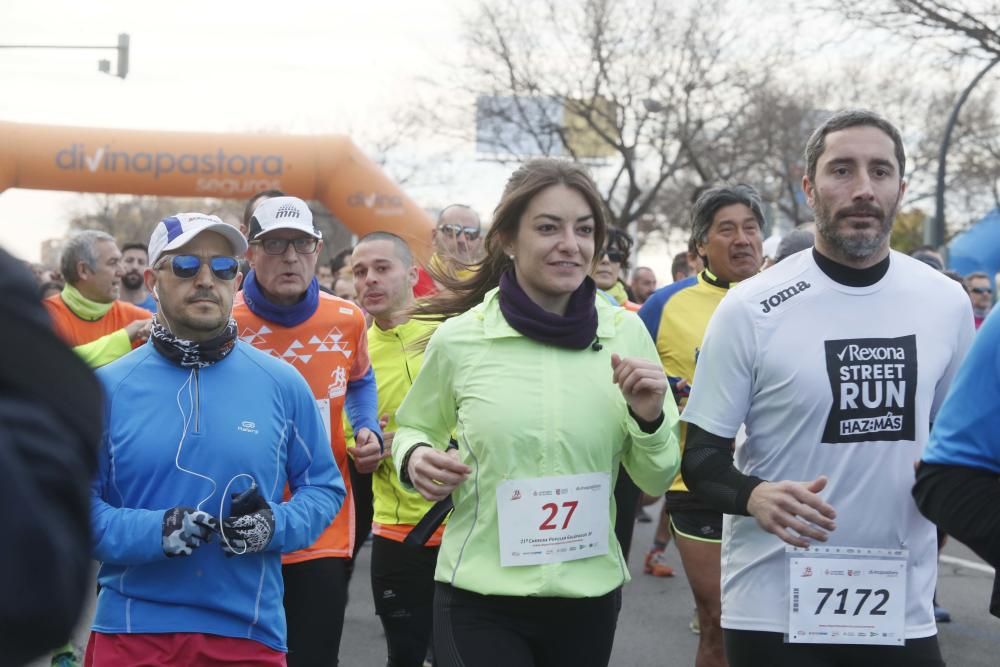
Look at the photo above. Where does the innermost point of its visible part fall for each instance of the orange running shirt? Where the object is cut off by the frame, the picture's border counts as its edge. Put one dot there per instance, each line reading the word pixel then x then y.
pixel 329 349
pixel 77 331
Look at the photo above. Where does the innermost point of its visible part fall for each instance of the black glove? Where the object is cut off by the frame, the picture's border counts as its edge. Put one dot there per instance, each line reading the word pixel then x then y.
pixel 250 526
pixel 185 529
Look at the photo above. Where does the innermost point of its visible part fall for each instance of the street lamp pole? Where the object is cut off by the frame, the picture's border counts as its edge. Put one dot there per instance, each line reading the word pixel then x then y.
pixel 934 230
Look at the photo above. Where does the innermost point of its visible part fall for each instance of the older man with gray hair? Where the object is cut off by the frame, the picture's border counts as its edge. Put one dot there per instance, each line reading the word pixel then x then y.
pixel 727 223
pixel 87 314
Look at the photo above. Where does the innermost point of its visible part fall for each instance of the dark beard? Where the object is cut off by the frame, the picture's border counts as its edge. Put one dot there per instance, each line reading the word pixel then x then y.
pixel 132 280
pixel 853 247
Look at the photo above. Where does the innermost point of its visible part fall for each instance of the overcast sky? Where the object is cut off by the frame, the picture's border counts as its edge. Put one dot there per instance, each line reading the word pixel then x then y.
pixel 223 66
pixel 295 66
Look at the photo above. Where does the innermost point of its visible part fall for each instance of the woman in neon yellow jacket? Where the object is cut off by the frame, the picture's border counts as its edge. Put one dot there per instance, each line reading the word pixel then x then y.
pixel 548 389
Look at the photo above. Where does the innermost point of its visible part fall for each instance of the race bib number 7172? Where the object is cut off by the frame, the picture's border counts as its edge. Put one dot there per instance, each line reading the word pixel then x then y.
pixel 859 599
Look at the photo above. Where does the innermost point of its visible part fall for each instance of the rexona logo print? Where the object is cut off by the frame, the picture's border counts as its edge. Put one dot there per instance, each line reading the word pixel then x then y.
pixel 874 385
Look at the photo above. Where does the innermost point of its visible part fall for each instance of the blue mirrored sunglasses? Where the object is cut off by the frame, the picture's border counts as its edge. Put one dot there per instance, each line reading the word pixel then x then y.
pixel 188 266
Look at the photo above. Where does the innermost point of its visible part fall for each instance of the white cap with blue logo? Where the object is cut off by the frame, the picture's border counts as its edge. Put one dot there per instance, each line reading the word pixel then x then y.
pixel 177 230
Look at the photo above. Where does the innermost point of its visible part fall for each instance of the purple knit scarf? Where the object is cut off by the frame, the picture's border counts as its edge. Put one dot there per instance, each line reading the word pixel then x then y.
pixel 576 330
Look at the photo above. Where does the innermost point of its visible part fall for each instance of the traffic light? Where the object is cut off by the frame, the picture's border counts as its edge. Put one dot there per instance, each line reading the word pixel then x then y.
pixel 123 41
pixel 104 65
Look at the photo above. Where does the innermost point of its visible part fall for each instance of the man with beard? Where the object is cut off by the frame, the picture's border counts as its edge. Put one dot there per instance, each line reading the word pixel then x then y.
pixel 135 258
pixel 836 360
pixel 214 462
pixel 402 575
pixel 88 314
pixel 727 229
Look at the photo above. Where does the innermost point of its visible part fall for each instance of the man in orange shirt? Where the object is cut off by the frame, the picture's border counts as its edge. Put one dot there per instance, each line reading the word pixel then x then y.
pixel 87 314
pixel 281 310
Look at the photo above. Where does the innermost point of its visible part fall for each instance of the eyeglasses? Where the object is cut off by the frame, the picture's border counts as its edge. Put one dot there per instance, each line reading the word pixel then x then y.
pixel 188 266
pixel 981 290
pixel 614 256
pixel 452 230
pixel 305 245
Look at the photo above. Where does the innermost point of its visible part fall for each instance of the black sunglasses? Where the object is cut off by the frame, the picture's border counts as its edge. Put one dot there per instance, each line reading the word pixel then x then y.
pixel 614 256
pixel 188 266
pixel 981 290
pixel 453 230
pixel 305 245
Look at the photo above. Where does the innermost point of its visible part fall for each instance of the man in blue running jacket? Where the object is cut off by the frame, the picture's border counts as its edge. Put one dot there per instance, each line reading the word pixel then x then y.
pixel 214 461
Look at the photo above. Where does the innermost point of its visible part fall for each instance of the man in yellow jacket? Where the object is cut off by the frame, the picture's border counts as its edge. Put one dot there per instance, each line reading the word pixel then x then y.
pixel 402 575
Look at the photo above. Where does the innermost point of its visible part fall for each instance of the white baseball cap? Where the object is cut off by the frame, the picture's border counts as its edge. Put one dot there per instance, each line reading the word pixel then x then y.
pixel 282 213
pixel 173 232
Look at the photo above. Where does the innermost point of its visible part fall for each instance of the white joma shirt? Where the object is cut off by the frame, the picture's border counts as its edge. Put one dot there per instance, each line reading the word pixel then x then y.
pixel 837 381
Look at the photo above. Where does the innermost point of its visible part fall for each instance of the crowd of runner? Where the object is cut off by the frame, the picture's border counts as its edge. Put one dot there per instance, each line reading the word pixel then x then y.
pixel 495 418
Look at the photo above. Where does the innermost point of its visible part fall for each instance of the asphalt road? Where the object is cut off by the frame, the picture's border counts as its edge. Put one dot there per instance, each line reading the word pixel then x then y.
pixel 653 626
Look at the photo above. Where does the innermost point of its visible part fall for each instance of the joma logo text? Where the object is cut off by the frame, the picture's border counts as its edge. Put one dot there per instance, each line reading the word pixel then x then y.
pixel 784 295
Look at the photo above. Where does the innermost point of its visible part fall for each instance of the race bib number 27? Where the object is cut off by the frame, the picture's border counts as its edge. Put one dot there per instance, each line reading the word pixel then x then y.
pixel 843 595
pixel 553 519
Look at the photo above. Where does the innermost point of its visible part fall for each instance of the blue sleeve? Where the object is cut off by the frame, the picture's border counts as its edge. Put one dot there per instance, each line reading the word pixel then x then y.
pixel 361 404
pixel 967 426
pixel 316 485
pixel 652 311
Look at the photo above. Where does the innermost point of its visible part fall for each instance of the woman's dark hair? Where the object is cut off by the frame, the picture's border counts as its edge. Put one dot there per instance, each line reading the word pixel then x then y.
pixel 620 241
pixel 459 295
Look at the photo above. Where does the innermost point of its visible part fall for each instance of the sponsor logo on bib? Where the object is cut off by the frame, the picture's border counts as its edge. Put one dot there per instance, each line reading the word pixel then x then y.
pixel 874 386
